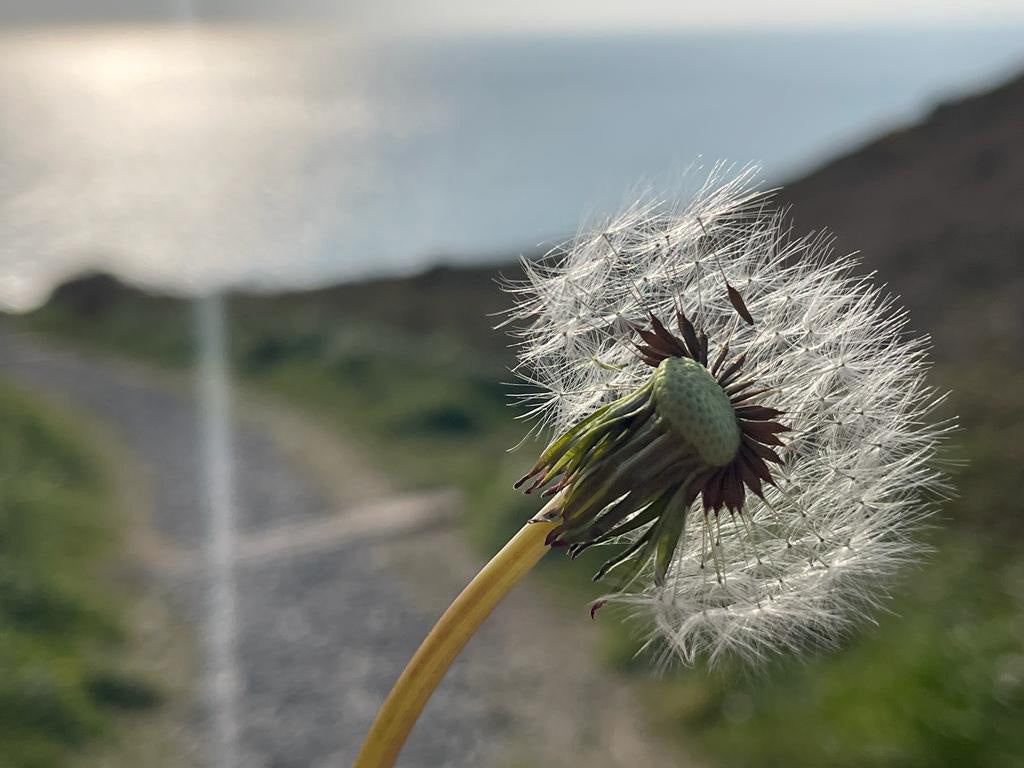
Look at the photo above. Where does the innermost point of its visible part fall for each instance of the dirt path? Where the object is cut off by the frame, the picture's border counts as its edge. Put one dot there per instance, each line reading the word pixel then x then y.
pixel 337 582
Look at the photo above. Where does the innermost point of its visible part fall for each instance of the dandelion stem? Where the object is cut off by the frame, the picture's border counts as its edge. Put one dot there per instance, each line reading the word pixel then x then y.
pixel 452 631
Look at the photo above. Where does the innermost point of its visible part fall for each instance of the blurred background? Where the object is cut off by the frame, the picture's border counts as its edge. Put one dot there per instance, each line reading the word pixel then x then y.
pixel 256 425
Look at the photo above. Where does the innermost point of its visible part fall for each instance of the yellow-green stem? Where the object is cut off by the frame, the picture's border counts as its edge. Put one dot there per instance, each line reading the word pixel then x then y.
pixel 452 631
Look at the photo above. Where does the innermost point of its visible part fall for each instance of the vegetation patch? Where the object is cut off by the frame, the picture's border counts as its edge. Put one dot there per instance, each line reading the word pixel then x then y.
pixel 939 682
pixel 62 613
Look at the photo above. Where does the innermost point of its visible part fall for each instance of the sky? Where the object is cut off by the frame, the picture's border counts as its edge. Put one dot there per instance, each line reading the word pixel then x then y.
pixel 528 15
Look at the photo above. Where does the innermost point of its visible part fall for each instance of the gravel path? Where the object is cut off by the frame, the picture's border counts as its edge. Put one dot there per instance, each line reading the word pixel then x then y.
pixel 322 631
pixel 334 592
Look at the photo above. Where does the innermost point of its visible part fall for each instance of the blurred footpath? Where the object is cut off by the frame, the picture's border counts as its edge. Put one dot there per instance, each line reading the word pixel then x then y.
pixel 337 580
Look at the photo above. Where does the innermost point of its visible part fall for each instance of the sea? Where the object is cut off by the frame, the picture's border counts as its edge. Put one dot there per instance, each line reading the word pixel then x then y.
pixel 192 158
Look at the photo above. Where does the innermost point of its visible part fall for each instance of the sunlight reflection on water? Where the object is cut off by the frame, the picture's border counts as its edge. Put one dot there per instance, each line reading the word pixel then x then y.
pixel 198 156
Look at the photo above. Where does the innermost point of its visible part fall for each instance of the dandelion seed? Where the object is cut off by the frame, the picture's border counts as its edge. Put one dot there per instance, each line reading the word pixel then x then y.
pixel 789 424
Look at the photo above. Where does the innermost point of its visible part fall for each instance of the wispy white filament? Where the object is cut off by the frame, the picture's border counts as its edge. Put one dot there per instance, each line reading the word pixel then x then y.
pixel 859 471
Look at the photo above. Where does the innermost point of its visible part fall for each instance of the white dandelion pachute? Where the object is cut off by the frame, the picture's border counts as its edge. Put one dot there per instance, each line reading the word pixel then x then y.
pixel 721 555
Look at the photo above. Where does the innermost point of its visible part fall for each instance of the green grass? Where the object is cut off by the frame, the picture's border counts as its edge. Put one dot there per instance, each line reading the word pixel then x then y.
pixel 938 682
pixel 62 632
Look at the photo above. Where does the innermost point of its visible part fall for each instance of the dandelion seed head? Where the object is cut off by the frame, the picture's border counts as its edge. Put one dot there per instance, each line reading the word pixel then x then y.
pixel 810 556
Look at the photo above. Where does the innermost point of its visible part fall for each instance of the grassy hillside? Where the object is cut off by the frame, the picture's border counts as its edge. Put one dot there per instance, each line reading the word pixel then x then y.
pixel 941 676
pixel 67 644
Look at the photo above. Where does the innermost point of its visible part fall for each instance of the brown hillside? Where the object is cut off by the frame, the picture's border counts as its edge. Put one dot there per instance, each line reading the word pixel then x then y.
pixel 938 210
